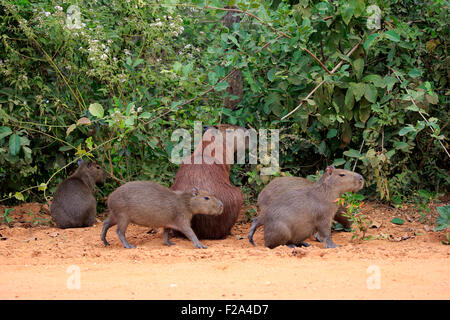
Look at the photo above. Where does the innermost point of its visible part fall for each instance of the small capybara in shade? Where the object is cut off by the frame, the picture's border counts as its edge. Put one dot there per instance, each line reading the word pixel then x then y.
pixel 150 204
pixel 280 184
pixel 294 215
pixel 215 178
pixel 73 204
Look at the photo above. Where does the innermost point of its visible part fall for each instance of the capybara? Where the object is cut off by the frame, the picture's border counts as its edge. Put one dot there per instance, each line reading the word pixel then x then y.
pixel 293 216
pixel 73 204
pixel 149 204
pixel 215 178
pixel 280 184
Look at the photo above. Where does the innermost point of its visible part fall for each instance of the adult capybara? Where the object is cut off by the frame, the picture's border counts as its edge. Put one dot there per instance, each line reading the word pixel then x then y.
pixel 73 204
pixel 293 216
pixel 280 184
pixel 215 178
pixel 150 204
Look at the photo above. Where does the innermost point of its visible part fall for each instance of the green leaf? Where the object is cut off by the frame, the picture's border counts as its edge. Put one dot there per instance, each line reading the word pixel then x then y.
pixel 406 130
pixel 145 115
pixel 137 62
pixel 389 81
pixel 65 148
pixel 96 110
pixel 358 90
pixel 42 187
pixel 398 221
pixel 339 162
pixel 371 93
pixel 392 35
pixel 376 79
pixel 271 74
pixel 19 196
pixel 401 145
pixel 221 86
pixel 349 99
pixel 443 221
pixel 347 13
pixel 352 153
pixel 4 132
pixel 370 40
pixel 332 133
pixel 14 144
pixel 358 67
pixel 415 73
pixel 212 76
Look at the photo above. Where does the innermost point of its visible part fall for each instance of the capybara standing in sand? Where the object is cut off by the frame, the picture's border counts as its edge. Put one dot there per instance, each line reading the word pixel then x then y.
pixel 293 216
pixel 280 184
pixel 215 178
pixel 73 204
pixel 150 204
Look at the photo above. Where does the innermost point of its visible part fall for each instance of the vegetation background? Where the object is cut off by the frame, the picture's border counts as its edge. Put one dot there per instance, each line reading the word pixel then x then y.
pixel 112 79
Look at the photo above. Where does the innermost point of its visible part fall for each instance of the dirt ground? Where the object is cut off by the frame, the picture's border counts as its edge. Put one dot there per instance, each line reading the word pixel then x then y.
pixel 39 261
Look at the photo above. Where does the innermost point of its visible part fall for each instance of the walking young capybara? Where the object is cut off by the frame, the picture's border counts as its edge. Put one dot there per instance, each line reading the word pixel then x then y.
pixel 215 178
pixel 73 204
pixel 295 214
pixel 149 204
pixel 280 184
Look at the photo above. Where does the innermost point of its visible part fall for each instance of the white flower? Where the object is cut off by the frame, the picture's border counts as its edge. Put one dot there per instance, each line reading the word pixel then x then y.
pixel 127 52
pixel 103 57
pixel 47 13
pixel 139 109
pixel 59 8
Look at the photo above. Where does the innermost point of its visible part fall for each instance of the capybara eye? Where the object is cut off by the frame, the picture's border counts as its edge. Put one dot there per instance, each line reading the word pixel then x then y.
pixel 206 198
pixel 341 174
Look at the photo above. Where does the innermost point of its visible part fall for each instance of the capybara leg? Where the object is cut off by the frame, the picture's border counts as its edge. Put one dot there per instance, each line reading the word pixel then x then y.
pixel 303 244
pixel 166 237
pixel 257 222
pixel 325 233
pixel 121 229
pixel 108 223
pixel 188 232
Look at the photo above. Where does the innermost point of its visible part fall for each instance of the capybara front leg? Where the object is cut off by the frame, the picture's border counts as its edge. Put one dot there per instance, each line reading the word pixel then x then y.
pixel 191 235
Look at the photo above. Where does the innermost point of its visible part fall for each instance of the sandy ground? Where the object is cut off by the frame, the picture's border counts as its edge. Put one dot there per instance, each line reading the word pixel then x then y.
pixel 39 261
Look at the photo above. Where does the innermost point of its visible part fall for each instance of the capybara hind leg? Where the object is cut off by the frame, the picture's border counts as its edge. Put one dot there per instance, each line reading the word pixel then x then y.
pixel 166 237
pixel 276 234
pixel 108 223
pixel 121 229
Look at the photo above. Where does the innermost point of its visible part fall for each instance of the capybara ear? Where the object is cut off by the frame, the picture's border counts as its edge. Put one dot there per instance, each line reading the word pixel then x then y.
pixel 330 170
pixel 90 163
pixel 195 191
pixel 215 127
pixel 205 128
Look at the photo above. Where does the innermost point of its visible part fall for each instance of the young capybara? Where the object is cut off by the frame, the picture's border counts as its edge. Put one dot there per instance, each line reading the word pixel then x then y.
pixel 149 204
pixel 293 216
pixel 280 184
pixel 73 204
pixel 214 177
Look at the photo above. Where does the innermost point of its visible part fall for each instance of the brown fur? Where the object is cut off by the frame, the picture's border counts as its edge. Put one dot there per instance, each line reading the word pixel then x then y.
pixel 295 214
pixel 73 204
pixel 150 204
pixel 280 184
pixel 215 178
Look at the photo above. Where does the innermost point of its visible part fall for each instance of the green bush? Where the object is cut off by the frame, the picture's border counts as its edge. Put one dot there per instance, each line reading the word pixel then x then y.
pixel 115 81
